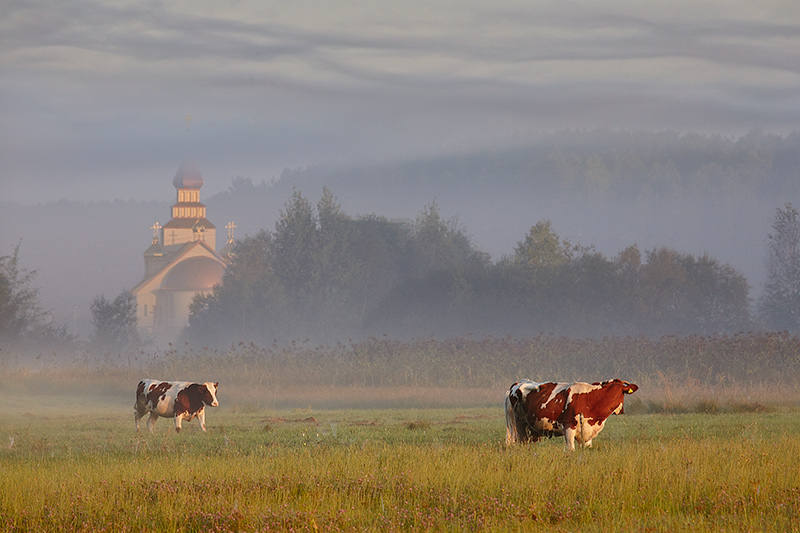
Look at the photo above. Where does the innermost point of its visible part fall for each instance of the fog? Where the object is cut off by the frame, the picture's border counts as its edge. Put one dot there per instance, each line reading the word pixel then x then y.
pixel 81 250
pixel 390 107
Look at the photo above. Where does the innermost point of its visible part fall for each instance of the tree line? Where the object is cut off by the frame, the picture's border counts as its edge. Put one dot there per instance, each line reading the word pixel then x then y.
pixel 325 275
pixel 598 164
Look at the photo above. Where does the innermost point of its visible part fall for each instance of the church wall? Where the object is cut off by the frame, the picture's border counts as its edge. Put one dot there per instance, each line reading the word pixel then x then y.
pixel 145 312
pixel 173 312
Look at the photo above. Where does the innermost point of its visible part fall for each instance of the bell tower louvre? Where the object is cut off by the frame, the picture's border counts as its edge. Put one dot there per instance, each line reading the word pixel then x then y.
pixel 189 222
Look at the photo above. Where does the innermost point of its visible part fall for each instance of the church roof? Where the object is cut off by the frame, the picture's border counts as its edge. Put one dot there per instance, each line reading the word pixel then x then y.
pixel 174 254
pixel 155 249
pixel 193 274
pixel 189 223
pixel 227 250
pixel 188 176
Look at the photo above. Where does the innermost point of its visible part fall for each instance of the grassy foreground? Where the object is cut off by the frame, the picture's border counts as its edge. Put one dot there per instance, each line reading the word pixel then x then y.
pixel 68 465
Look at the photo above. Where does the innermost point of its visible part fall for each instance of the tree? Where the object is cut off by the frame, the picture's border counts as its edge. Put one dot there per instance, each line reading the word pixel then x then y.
pixel 542 247
pixel 250 304
pixel 295 248
pixel 717 297
pixel 115 322
pixel 437 245
pixel 679 294
pixel 779 305
pixel 21 316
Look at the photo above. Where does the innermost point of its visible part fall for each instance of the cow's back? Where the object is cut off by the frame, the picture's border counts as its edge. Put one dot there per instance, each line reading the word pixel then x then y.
pixel 141 394
pixel 588 408
pixel 547 400
pixel 158 396
pixel 594 402
pixel 538 407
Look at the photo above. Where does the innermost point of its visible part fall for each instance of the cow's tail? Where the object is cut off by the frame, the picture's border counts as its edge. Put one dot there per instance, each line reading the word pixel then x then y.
pixel 512 436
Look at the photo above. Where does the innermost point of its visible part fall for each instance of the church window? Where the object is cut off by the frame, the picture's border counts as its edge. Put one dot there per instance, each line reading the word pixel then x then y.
pixel 145 309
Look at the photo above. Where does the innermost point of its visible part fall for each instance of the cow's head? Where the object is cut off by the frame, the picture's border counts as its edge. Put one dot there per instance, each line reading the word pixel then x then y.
pixel 629 388
pixel 208 392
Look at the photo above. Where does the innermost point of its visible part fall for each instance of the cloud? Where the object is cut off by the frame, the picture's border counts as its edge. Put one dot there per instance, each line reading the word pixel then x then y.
pixel 88 87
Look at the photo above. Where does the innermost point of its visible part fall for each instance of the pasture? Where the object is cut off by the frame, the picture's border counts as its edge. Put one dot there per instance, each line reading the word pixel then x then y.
pixel 73 462
pixel 392 436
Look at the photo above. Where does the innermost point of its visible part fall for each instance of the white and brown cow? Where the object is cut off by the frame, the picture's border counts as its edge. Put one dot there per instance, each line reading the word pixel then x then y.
pixel 574 410
pixel 181 400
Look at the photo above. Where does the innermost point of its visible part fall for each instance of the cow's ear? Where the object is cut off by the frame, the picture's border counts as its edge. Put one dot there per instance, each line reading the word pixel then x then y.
pixel 216 385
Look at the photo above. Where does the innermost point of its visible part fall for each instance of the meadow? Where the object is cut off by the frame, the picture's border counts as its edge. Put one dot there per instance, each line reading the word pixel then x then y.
pixel 295 452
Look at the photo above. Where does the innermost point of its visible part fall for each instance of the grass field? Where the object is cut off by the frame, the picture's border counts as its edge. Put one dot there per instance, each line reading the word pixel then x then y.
pixel 389 436
pixel 71 461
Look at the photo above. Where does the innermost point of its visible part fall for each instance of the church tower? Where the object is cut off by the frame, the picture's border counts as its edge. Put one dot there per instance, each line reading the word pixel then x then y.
pixel 189 222
pixel 180 263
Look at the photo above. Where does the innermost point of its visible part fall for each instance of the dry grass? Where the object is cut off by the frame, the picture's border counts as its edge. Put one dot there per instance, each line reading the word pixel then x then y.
pixel 705 374
pixel 395 469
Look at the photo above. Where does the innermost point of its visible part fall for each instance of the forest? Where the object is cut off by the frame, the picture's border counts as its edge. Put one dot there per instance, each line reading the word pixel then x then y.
pixel 329 277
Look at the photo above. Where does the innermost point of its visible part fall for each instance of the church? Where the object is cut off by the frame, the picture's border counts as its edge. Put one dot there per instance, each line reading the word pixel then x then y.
pixel 180 263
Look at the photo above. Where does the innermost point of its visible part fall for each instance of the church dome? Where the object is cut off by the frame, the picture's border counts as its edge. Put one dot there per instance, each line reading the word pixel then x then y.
pixel 194 274
pixel 188 176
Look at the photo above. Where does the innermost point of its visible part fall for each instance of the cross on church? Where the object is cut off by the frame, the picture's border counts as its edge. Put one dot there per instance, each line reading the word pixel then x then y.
pixel 230 227
pixel 155 227
pixel 188 121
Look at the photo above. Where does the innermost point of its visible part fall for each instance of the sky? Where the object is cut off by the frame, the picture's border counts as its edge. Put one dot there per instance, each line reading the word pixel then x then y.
pixel 96 95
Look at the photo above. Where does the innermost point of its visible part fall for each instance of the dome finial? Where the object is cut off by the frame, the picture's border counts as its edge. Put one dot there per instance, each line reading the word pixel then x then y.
pixel 188 176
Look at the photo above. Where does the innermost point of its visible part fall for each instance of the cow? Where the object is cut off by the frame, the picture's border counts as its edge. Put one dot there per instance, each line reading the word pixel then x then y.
pixel 182 400
pixel 572 410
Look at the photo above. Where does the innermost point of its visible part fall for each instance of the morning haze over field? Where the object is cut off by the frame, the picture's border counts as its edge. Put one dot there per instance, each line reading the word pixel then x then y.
pixel 622 124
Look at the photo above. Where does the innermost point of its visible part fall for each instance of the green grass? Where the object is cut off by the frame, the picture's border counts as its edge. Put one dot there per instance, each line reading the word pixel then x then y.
pixel 76 464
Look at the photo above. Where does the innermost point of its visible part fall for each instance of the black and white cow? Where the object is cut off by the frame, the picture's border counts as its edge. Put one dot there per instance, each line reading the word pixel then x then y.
pixel 181 400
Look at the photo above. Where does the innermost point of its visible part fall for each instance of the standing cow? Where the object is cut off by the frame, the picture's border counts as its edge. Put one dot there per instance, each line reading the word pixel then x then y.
pixel 182 400
pixel 574 410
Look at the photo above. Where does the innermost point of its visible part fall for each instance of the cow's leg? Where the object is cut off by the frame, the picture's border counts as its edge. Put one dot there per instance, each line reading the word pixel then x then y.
pixel 569 437
pixel 201 419
pixel 178 419
pixel 521 430
pixel 139 410
pixel 151 422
